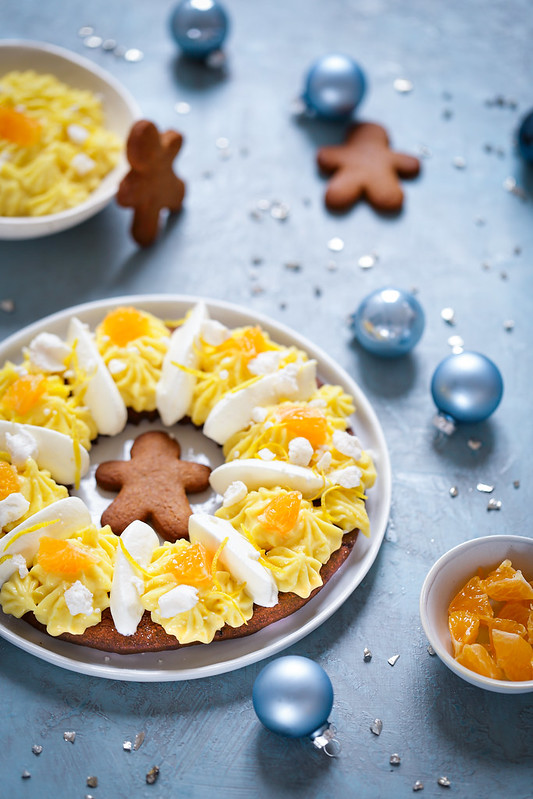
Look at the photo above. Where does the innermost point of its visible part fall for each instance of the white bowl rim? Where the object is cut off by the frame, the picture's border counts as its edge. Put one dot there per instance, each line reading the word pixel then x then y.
pixel 129 100
pixel 500 686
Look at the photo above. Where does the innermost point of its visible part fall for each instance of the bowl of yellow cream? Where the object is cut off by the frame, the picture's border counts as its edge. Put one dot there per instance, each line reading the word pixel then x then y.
pixel 64 122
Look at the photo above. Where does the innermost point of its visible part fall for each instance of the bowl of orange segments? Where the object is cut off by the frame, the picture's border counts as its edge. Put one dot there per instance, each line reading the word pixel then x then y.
pixel 476 607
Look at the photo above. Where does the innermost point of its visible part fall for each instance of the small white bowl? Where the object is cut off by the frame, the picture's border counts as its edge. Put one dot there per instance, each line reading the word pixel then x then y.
pixel 447 577
pixel 121 111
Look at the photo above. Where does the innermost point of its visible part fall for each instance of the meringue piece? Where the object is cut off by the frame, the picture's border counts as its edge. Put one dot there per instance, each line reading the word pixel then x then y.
pixel 255 473
pixel 21 446
pixel 58 520
pixel 175 387
pixel 79 599
pixel 178 600
pixel 235 410
pixel 56 452
pixel 48 352
pixel 347 444
pixel 238 556
pixel 234 493
pixel 102 396
pixel 349 477
pixel 12 508
pixel 300 451
pixel 126 609
pixel 214 333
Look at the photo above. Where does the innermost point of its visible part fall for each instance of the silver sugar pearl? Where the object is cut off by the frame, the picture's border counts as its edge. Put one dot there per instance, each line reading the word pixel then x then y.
pixel 331 266
pixel 444 781
pixel 37 749
pixel 133 55
pixel 93 42
pixel 222 143
pixel 25 774
pixel 182 108
pixel 494 504
pixel 448 314
pixel 418 786
pixel 485 488
pixel 279 211
pixel 367 655
pixel 395 759
pixel 453 491
pixel 336 244
pixel 108 45
pixel 69 736
pixel 403 86
pixel 119 51
pixel 459 162
pixel 508 325
pixel 376 727
pixel 367 261
pixel 456 343
pixel 509 184
pixel 85 30
pixel 264 205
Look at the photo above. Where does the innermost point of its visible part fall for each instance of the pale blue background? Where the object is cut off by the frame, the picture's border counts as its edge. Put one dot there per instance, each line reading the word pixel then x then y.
pixel 204 734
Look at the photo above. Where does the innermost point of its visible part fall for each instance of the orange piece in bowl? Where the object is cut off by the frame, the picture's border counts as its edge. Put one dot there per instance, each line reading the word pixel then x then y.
pixel 513 654
pixel 472 597
pixel 476 658
pixel 464 628
pixel 9 481
pixel 124 325
pixel 19 128
pixel 517 611
pixel 506 584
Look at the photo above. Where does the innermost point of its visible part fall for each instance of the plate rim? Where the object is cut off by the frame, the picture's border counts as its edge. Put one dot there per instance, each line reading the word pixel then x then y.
pixel 41 646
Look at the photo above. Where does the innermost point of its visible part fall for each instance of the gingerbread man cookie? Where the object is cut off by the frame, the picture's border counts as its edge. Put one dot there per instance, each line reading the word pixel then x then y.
pixel 151 184
pixel 152 486
pixel 365 166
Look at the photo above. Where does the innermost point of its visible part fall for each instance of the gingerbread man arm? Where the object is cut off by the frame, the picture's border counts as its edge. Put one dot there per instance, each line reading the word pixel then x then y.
pixel 330 158
pixel 194 476
pixel 111 475
pixel 407 166
pixel 345 188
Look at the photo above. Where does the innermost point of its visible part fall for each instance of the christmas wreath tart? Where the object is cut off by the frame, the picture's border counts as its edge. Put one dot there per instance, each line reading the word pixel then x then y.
pixel 150 573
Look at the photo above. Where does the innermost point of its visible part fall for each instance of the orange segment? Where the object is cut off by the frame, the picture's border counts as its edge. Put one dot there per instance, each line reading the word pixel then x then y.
pixel 517 611
pixel 508 625
pixel 124 325
pixel 476 658
pixel 191 566
pixel 248 345
pixel 464 627
pixel 309 423
pixel 513 654
pixel 18 128
pixel 507 584
pixel 9 481
pixel 281 513
pixel 24 393
pixel 472 597
pixel 63 557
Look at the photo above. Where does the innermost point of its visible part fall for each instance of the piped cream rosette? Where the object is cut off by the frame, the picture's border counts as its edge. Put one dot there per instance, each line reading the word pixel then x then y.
pixel 294 481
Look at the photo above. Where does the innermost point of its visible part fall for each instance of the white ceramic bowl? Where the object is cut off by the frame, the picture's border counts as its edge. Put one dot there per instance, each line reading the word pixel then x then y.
pixel 121 111
pixel 447 577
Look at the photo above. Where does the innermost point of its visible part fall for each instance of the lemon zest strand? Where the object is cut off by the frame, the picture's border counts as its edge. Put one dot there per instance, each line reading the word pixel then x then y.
pixel 31 529
pixel 131 560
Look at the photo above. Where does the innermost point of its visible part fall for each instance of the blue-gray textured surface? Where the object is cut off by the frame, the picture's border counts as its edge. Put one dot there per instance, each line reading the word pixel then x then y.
pixel 203 734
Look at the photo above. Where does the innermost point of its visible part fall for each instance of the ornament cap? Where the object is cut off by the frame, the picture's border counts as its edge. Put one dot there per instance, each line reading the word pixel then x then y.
pixel 325 740
pixel 444 423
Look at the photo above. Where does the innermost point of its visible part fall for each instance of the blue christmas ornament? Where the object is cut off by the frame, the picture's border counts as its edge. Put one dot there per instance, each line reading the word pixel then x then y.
pixel 199 27
pixel 466 387
pixel 293 696
pixel 389 322
pixel 334 87
pixel 525 138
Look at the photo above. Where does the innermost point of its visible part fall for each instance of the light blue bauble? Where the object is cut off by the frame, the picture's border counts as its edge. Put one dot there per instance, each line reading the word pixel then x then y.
pixel 389 322
pixel 293 696
pixel 525 138
pixel 467 387
pixel 334 87
pixel 199 27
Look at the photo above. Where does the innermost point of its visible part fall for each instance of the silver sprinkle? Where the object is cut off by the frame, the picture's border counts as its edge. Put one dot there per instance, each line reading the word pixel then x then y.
pixel 376 727
pixel 69 736
pixel 133 55
pixel 298 106
pixel 367 261
pixel 336 244
pixel 508 325
pixel 367 655
pixel 509 184
pixel 444 424
pixel 424 151
pixel 109 44
pixel 93 42
pixel 37 749
pixel 119 51
pixel 516 483
pixel 454 491
pixel 92 782
pixel 279 211
pixel 485 265
pixel 418 786
pixel 444 781
pixel 25 774
pixel 264 205
pixel 448 314
pixel 222 143
pixel 494 504
pixel 182 108
pixel 430 650
pixel 504 275
pixel 475 444
pixel 403 86
pixel 393 660
pixel 139 740
pixel 7 305
pixel 152 775
pixel 485 488
pixel 106 659
pixel 89 796
pixel 127 746
pixel 257 260
pixel 86 30
pixel 255 214
pixel 459 162
pixel 293 266
pixel 395 759
pixel 456 343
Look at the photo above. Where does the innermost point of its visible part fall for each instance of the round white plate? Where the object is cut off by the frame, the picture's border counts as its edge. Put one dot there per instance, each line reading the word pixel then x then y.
pixel 222 656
